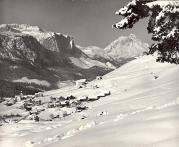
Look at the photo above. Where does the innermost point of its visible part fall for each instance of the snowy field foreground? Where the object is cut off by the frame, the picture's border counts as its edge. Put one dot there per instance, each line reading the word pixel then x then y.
pixel 142 111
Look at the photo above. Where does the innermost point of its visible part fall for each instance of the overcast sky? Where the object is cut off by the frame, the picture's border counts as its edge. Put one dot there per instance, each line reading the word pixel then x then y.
pixel 88 21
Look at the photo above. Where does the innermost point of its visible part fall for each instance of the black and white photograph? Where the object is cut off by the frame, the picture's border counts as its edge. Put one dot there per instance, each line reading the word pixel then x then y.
pixel 89 73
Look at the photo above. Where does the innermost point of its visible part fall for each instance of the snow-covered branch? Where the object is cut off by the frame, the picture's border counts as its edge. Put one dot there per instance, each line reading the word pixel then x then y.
pixel 163 23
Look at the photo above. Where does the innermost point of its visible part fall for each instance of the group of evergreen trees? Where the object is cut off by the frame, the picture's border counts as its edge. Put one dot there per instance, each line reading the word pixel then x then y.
pixel 9 89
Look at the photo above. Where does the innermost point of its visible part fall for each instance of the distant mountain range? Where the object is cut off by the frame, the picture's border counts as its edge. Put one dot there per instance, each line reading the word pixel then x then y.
pixel 33 55
pixel 121 50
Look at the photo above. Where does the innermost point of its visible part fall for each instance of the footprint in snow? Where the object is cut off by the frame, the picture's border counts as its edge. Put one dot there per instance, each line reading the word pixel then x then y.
pixel 29 144
pixel 72 132
pixel 120 117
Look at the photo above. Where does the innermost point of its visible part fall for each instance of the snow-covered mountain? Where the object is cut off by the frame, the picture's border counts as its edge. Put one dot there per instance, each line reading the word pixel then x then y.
pixel 120 51
pixel 95 52
pixel 126 47
pixel 29 52
pixel 99 54
pixel 142 110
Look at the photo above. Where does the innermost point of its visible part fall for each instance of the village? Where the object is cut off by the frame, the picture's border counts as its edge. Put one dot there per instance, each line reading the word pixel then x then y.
pixel 40 107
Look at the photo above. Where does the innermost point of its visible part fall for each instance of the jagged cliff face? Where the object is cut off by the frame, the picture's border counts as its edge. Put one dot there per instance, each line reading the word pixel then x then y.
pixel 33 53
pixel 17 47
pixel 33 37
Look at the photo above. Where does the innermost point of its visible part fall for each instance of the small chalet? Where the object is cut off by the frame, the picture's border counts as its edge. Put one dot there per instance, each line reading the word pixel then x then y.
pixel 99 77
pixel 81 83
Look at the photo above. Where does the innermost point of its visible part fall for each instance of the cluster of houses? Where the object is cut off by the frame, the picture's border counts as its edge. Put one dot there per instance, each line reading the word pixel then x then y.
pixel 72 101
pixel 69 101
pixel 21 97
pixel 29 103
pixel 34 102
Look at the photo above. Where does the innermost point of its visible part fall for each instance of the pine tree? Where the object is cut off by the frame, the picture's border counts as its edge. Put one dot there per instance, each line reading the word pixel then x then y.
pixel 163 25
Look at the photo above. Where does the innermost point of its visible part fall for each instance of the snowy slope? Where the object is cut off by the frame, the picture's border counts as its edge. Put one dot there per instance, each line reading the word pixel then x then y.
pixel 142 110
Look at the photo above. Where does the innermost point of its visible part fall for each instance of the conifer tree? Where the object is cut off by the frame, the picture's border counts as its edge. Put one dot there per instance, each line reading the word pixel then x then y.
pixel 163 25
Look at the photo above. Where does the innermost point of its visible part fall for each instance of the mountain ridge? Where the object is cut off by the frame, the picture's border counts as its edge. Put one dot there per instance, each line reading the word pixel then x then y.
pixel 34 54
pixel 123 49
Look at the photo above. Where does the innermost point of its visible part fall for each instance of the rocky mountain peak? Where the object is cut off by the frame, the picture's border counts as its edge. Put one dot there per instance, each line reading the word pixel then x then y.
pixel 50 40
pixel 126 47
